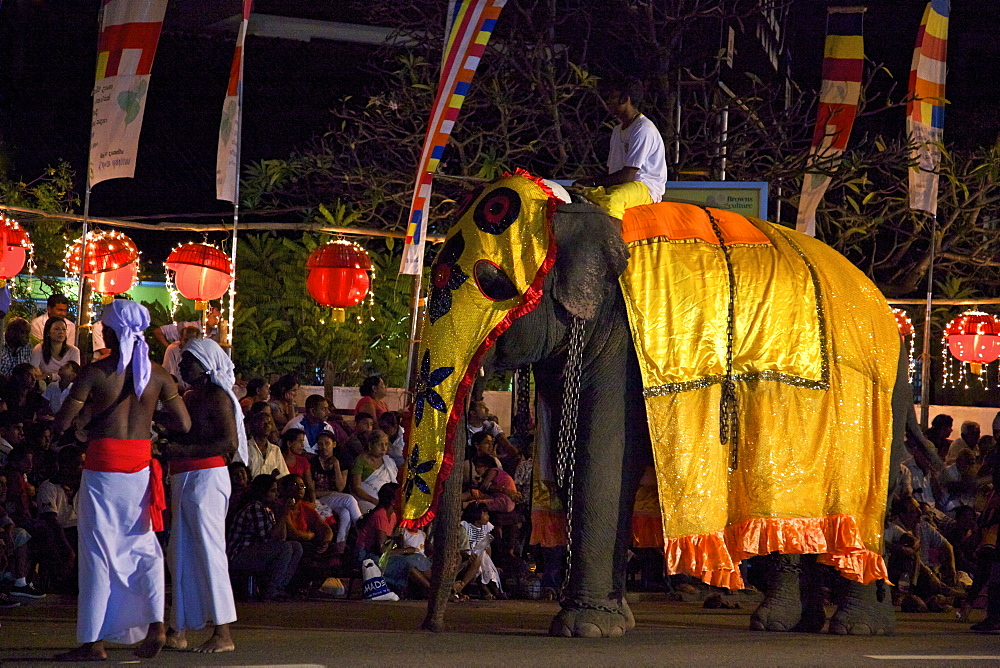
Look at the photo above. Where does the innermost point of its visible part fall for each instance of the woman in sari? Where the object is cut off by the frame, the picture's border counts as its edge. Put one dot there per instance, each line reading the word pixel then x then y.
pixel 372 469
pixel 495 489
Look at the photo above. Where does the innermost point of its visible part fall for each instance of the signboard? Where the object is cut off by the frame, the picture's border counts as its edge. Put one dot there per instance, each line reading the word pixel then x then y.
pixel 747 198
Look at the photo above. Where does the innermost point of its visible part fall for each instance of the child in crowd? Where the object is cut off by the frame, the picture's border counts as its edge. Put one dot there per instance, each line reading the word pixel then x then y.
pixel 477 531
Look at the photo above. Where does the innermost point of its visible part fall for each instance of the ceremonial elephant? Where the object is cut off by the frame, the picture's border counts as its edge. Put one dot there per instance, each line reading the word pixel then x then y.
pixel 755 367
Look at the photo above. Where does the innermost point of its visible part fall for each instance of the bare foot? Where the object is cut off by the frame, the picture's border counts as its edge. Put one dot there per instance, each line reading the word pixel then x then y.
pixel 216 644
pixel 153 643
pixel 90 651
pixel 176 640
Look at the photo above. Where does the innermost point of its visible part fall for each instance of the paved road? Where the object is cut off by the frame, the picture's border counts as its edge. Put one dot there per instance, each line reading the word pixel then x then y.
pixel 349 633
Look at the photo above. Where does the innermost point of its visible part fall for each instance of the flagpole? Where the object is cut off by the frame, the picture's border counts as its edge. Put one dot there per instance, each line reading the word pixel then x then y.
pixel 80 306
pixel 925 354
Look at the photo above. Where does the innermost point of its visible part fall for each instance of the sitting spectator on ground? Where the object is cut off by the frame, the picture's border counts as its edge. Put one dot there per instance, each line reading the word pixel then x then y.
pixel 256 538
pixel 331 482
pixel 965 536
pixel 969 440
pixel 938 433
pixel 239 482
pixel 293 448
pixel 377 528
pixel 303 522
pixel 258 389
pixel 21 395
pixel 38 438
pixel 265 457
pixel 481 569
pixel 54 350
pixel 315 422
pixel 481 444
pixel 496 489
pixel 478 421
pixel 919 556
pixel 58 510
pixel 960 483
pixel 11 434
pixel 20 493
pixel 372 469
pixel 56 306
pixel 16 348
pixel 172 355
pixel 388 422
pixel 265 408
pixel 920 473
pixel 283 406
pixel 57 392
pixel 354 446
pixel 372 401
pixel 14 550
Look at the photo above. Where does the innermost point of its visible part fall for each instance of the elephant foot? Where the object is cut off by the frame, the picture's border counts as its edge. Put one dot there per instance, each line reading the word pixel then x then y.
pixel 865 610
pixel 811 594
pixel 781 609
pixel 583 622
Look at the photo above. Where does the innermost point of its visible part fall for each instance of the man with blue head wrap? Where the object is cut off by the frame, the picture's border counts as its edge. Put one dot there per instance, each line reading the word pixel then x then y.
pixel 200 489
pixel 121 492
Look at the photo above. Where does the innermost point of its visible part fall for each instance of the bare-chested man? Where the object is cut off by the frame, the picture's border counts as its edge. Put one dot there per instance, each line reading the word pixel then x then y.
pixel 200 489
pixel 121 494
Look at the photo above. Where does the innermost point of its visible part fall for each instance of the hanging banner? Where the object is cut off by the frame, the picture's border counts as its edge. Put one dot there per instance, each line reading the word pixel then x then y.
pixel 843 65
pixel 130 31
pixel 227 162
pixel 472 25
pixel 925 112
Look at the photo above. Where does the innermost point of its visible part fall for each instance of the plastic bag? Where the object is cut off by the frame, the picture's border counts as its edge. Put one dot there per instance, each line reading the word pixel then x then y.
pixel 375 587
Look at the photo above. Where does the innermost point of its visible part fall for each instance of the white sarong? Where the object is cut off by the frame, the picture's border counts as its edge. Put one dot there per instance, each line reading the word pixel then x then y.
pixel 121 563
pixel 373 483
pixel 199 569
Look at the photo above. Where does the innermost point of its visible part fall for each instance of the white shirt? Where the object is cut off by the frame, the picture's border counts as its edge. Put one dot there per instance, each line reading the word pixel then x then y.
pixel 51 368
pixel 396 446
pixel 38 328
pixel 259 464
pixel 56 396
pixel 172 360
pixel 52 498
pixel 640 146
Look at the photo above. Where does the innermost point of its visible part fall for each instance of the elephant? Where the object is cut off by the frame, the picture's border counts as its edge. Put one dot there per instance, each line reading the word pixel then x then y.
pixel 765 440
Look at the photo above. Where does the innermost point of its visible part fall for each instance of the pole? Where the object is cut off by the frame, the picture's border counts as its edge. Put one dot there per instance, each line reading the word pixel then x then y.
pixel 82 312
pixel 925 354
pixel 415 304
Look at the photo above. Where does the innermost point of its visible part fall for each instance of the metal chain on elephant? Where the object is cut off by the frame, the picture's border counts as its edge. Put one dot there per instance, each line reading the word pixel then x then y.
pixel 566 444
pixel 729 425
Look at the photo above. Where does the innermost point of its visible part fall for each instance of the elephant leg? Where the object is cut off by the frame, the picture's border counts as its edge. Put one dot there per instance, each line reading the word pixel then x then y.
pixel 811 594
pixel 864 610
pixel 781 609
pixel 446 528
pixel 592 603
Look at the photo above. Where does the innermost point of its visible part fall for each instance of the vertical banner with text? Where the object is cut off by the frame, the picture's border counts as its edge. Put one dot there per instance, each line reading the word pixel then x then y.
pixel 130 31
pixel 227 163
pixel 472 25
pixel 925 112
pixel 843 65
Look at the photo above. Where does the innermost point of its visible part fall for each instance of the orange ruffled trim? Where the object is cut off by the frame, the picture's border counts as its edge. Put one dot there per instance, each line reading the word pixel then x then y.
pixel 714 557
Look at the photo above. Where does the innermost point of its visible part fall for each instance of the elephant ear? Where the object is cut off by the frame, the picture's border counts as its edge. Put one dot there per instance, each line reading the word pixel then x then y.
pixel 590 257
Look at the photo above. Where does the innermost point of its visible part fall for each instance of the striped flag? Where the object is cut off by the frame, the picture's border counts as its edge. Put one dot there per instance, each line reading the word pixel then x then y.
pixel 925 112
pixel 130 31
pixel 472 25
pixel 843 64
pixel 227 162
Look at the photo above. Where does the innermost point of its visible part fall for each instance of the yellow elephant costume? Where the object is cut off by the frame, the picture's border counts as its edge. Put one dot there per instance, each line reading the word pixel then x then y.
pixel 812 344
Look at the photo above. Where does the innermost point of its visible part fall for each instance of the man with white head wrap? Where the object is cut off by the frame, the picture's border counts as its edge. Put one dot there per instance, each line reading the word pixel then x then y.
pixel 121 492
pixel 200 489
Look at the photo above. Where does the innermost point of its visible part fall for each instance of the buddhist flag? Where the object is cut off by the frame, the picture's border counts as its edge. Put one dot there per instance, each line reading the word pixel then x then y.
pixel 472 25
pixel 925 112
pixel 843 64
pixel 130 31
pixel 227 162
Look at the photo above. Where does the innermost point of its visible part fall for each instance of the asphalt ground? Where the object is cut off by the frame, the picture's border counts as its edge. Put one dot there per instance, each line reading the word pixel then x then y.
pixel 509 633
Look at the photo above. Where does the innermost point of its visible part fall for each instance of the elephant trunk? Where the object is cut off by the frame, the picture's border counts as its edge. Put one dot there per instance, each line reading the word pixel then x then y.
pixel 446 528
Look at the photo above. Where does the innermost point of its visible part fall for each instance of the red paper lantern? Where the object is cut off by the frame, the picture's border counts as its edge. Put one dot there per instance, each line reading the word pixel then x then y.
pixel 338 274
pixel 974 337
pixel 202 272
pixel 15 245
pixel 111 264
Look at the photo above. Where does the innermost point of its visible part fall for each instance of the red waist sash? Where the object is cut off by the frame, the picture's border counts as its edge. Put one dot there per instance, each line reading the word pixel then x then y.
pixel 186 464
pixel 120 455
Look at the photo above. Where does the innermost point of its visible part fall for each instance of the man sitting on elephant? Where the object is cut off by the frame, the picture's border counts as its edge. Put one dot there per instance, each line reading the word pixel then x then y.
pixel 637 167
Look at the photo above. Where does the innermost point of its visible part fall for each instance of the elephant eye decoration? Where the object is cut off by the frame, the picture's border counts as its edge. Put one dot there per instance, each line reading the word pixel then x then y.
pixel 497 211
pixel 493 281
pixel 446 276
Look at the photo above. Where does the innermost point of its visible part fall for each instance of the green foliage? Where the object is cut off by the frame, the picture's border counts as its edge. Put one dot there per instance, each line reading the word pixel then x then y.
pixel 279 328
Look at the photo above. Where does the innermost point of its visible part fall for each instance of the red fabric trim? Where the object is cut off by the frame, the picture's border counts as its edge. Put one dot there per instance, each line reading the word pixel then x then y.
pixel 187 464
pixel 532 297
pixel 121 455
